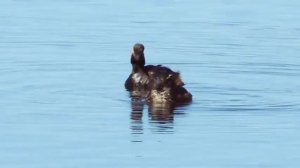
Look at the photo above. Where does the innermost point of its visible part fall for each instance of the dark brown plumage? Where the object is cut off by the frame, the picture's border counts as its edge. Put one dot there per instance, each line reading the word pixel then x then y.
pixel 160 82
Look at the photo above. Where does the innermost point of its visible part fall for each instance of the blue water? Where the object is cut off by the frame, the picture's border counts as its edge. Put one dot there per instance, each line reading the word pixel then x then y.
pixel 63 64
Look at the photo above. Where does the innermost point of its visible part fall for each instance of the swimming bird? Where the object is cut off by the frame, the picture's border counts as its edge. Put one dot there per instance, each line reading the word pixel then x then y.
pixel 159 82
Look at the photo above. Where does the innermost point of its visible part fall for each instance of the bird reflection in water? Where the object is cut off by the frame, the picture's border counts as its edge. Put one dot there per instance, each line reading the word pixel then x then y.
pixel 137 107
pixel 160 115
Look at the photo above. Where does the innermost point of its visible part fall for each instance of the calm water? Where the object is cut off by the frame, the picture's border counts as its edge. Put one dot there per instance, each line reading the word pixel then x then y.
pixel 63 64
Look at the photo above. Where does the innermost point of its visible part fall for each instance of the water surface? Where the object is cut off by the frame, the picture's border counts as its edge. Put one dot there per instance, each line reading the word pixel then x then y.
pixel 63 65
